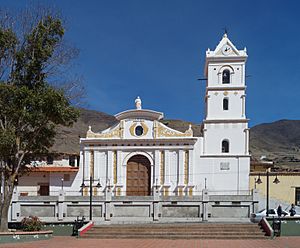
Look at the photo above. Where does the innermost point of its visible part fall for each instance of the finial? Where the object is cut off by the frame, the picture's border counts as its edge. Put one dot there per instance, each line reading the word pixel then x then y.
pixel 225 33
pixel 90 128
pixel 138 103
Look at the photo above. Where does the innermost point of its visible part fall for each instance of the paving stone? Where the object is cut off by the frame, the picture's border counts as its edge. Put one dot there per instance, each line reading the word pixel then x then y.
pixel 72 242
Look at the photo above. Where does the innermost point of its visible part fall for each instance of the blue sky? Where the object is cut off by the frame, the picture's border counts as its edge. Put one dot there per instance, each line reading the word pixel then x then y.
pixel 156 49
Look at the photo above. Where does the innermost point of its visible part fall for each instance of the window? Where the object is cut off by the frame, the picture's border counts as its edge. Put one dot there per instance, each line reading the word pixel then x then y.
pixel 224 166
pixel 66 177
pixel 225 146
pixel 297 196
pixel 72 160
pixel 226 77
pixel 139 131
pixel 50 159
pixel 225 104
pixel 78 160
pixel 43 189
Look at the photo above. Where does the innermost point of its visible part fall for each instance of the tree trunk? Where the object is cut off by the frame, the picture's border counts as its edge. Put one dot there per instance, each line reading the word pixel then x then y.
pixel 8 192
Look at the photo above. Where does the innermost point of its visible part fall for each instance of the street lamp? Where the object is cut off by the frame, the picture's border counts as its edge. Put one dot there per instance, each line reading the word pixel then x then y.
pixel 259 181
pixel 62 184
pixel 276 180
pixel 91 180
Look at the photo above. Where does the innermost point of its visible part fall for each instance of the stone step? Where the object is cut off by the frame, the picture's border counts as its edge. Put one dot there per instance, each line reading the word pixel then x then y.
pixel 174 227
pixel 177 231
pixel 189 225
pixel 174 230
pixel 234 236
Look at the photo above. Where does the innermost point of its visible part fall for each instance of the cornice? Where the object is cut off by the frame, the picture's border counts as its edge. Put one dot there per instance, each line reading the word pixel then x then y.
pixel 139 141
pixel 226 121
pixel 224 156
pixel 227 88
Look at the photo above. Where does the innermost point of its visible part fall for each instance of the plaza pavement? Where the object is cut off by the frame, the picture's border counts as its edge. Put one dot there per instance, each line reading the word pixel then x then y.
pixel 72 242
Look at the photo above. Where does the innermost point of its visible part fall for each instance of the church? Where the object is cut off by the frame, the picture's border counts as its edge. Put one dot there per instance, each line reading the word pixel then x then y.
pixel 140 169
pixel 140 153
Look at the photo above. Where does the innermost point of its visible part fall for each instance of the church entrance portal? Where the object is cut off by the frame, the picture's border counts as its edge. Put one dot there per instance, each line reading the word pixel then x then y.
pixel 138 176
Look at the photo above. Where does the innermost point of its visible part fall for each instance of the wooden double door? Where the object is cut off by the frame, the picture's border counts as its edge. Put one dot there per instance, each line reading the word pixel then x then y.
pixel 138 176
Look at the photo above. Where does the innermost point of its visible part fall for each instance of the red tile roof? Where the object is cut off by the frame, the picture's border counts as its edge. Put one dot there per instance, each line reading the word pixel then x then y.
pixel 53 169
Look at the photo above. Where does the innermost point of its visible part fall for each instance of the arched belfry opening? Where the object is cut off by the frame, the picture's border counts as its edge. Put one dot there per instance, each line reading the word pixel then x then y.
pixel 226 77
pixel 138 178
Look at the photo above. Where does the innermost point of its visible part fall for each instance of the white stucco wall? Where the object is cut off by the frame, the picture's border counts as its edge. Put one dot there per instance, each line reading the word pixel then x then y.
pixel 216 132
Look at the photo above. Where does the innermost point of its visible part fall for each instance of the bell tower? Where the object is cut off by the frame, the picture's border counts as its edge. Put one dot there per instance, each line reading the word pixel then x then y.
pixel 225 133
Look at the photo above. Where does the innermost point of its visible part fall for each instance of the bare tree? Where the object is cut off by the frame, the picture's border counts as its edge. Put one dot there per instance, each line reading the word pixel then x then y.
pixel 36 90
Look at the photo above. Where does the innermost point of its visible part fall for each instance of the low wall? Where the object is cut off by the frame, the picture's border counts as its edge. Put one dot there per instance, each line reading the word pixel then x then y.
pixel 123 209
pixel 14 237
pixel 290 226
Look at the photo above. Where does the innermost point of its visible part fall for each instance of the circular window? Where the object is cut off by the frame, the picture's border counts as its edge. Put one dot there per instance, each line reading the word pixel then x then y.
pixel 139 131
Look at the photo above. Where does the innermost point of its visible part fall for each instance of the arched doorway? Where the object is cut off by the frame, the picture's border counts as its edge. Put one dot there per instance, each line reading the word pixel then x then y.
pixel 138 176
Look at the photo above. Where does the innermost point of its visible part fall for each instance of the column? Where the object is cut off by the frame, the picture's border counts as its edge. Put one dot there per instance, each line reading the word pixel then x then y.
pixel 247 141
pixel 219 78
pixel 96 165
pixel 119 167
pixel 167 171
pixel 243 105
pixel 205 200
pixel 86 165
pixel 108 206
pixel 157 167
pixel 167 167
pixel 207 106
pixel 60 205
pixel 181 172
pixel 109 167
pixel 102 165
pixel 191 166
pixel 119 173
pixel 203 144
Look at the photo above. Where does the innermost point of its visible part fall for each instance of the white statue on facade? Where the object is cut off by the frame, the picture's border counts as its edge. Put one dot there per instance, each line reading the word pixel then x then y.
pixel 138 103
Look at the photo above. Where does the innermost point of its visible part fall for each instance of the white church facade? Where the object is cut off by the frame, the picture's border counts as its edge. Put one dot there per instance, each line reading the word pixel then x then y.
pixel 140 152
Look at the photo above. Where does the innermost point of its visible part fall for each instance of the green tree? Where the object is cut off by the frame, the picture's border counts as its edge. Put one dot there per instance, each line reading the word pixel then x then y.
pixel 30 105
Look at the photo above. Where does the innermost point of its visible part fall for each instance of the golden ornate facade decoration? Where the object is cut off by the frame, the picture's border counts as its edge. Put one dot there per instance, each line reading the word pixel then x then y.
pixel 118 191
pixel 117 132
pixel 92 164
pixel 166 191
pixel 95 191
pixel 180 191
pixel 85 191
pixel 191 191
pixel 186 167
pixel 133 126
pixel 162 131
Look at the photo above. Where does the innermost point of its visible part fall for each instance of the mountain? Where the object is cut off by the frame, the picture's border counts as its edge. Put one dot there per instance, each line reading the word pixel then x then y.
pixel 278 141
pixel 67 138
